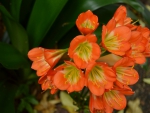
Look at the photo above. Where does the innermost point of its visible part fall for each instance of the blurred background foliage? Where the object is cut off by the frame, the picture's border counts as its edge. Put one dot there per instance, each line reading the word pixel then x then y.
pixel 25 24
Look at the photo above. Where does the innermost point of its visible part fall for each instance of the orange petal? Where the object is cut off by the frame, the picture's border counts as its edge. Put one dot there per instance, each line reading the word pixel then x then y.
pixel 91 38
pixel 95 103
pixel 125 46
pixel 35 53
pixel 41 66
pixel 74 43
pixel 115 99
pixel 95 89
pixel 122 32
pixel 111 25
pixel 96 52
pixel 80 83
pixel 79 86
pixel 53 90
pixel 141 59
pixel 136 37
pixel 42 79
pixel 60 81
pixel 79 62
pixel 126 61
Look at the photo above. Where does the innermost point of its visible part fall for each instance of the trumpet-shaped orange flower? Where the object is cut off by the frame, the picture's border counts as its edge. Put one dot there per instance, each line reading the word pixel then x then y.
pixel 87 22
pixel 121 16
pixel 69 77
pixel 137 47
pixel 84 49
pixel 99 77
pixel 96 105
pixel 125 72
pixel 44 59
pixel 146 40
pixel 115 99
pixel 46 81
pixel 135 53
pixel 115 40
pixel 111 99
pixel 39 63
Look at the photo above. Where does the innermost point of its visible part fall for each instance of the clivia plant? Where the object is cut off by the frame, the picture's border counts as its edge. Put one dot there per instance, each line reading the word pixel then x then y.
pixel 83 71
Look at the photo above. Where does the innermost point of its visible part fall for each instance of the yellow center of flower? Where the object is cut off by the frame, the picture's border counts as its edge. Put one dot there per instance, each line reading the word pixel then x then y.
pixel 111 42
pixel 72 74
pixel 87 24
pixel 96 75
pixel 124 71
pixel 84 51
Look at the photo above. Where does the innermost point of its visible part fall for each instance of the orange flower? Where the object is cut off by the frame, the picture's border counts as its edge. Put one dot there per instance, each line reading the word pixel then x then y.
pixel 115 40
pixel 137 47
pixel 121 16
pixel 146 40
pixel 44 59
pixel 115 99
pixel 39 63
pixel 47 81
pixel 111 99
pixel 125 72
pixel 135 53
pixel 87 22
pixel 84 49
pixel 69 77
pixel 99 77
pixel 96 105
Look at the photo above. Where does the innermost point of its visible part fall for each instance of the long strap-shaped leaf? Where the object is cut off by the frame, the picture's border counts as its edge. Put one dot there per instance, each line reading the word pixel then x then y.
pixel 15 9
pixel 42 17
pixel 11 58
pixel 17 33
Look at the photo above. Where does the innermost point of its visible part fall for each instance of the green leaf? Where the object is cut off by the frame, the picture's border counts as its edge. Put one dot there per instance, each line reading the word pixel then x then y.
pixel 66 19
pixel 42 17
pixel 32 100
pixel 145 13
pixel 67 102
pixel 15 8
pixel 5 12
pixel 17 34
pixel 21 106
pixel 7 98
pixel 7 95
pixel 11 58
pixel 146 80
pixel 6 3
pixel 24 105
pixel 28 107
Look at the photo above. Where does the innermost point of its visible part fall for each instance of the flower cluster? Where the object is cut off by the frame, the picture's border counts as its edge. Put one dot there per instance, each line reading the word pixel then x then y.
pixel 107 84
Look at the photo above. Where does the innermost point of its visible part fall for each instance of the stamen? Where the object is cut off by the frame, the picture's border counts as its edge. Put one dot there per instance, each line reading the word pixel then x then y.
pixel 72 74
pixel 97 76
pixel 87 24
pixel 135 22
pixel 84 51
